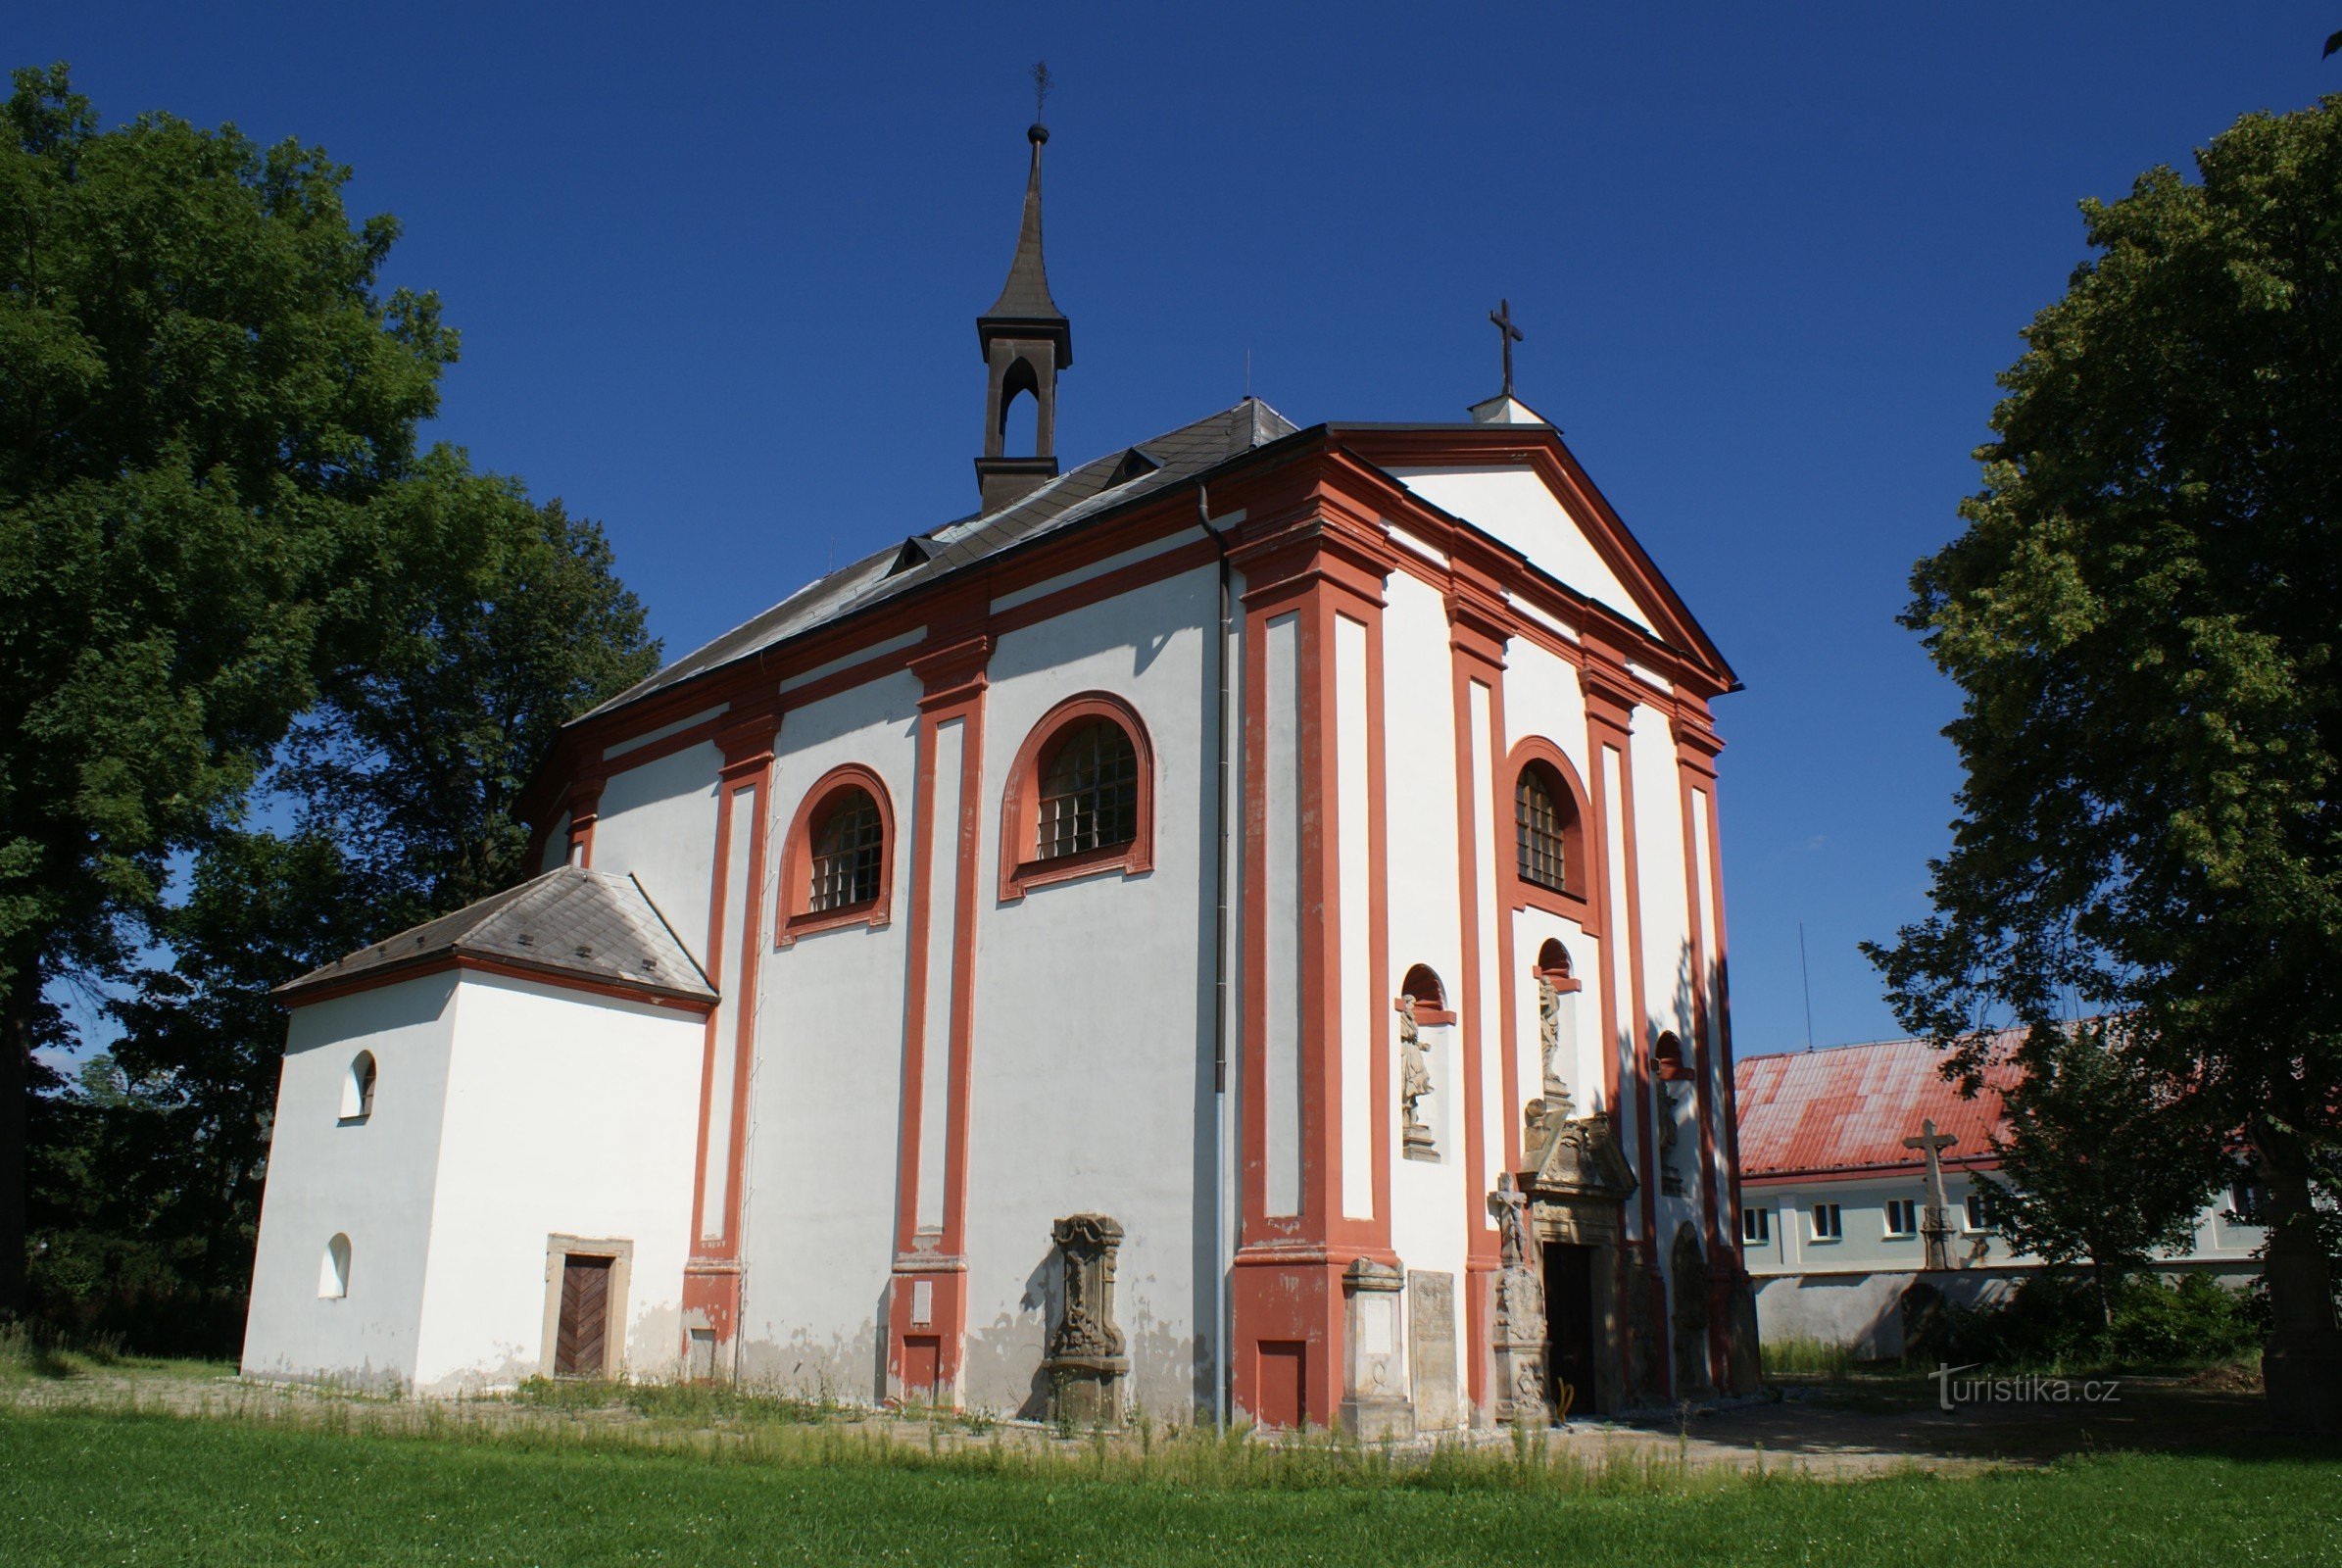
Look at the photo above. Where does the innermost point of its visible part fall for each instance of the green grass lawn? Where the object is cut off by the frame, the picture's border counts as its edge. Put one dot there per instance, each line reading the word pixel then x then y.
pixel 87 1488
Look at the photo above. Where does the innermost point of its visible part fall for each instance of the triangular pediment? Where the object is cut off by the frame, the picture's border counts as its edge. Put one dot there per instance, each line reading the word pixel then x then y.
pixel 1513 504
pixel 1520 486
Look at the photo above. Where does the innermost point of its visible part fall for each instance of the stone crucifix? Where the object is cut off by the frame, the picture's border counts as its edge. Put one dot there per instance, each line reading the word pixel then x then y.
pixel 1938 1228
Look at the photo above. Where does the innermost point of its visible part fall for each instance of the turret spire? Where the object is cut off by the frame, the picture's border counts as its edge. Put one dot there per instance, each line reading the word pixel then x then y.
pixel 1026 341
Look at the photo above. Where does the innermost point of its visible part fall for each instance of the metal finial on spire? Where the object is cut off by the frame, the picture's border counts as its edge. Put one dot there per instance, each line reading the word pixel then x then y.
pixel 1043 82
pixel 1507 334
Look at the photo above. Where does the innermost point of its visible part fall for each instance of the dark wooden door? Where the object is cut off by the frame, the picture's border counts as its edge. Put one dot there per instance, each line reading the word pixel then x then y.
pixel 581 1343
pixel 1570 1326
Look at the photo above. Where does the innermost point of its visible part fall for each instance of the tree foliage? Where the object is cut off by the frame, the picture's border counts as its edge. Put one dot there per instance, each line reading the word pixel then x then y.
pixel 2100 1167
pixel 2141 615
pixel 236 595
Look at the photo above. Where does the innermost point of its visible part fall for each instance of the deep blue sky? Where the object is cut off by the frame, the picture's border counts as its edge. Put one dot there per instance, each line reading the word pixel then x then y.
pixel 717 275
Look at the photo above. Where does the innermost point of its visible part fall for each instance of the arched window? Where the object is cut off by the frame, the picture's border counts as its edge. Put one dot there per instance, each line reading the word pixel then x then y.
pixel 1549 868
pixel 848 848
pixel 1088 791
pixel 1080 796
pixel 333 1271
pixel 358 1090
pixel 1537 818
pixel 838 861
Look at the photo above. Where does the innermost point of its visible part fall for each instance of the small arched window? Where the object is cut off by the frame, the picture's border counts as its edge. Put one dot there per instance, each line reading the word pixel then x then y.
pixel 838 861
pixel 333 1270
pixel 1080 796
pixel 358 1090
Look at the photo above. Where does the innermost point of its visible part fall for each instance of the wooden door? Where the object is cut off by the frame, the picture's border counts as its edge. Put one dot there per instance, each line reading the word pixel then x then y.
pixel 581 1343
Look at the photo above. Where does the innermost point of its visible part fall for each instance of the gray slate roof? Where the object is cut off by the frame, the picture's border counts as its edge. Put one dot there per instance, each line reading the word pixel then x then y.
pixel 568 921
pixel 1065 502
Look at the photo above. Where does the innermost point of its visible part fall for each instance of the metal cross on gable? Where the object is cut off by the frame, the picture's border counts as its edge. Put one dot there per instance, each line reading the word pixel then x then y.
pixel 1506 334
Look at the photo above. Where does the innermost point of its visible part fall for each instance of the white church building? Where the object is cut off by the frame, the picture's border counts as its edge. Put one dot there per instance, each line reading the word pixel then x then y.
pixel 1234 927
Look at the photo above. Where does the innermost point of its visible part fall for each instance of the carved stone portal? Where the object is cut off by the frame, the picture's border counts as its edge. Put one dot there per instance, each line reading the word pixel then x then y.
pixel 1085 1365
pixel 1520 1311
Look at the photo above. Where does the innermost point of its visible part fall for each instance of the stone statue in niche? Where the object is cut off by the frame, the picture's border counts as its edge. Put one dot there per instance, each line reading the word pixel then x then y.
pixel 1671 1175
pixel 1548 1029
pixel 1520 1327
pixel 1086 1365
pixel 1414 1082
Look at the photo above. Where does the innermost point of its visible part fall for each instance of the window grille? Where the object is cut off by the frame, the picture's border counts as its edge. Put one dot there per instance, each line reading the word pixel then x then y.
pixel 1540 837
pixel 1090 792
pixel 847 854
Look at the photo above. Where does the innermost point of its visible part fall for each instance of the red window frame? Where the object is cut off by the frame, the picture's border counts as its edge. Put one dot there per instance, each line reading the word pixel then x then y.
pixel 1022 868
pixel 797 916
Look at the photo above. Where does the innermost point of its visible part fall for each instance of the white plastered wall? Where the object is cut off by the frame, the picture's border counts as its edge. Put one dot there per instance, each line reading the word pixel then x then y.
pixel 1427 1197
pixel 1512 504
pixel 1092 1044
pixel 571 1114
pixel 825 1098
pixel 1543 699
pixel 656 822
pixel 372 1180
pixel 1667 978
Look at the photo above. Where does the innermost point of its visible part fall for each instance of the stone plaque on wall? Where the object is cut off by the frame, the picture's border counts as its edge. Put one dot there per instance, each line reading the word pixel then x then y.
pixel 1431 1334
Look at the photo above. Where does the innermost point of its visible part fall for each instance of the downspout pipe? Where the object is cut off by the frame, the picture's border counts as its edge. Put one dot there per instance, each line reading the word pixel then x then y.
pixel 1221 1361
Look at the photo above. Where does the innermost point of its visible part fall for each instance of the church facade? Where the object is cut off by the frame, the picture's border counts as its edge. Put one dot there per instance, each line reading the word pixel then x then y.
pixel 1235 927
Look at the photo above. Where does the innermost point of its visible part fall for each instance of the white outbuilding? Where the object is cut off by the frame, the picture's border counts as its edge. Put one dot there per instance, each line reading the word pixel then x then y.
pixel 516 1080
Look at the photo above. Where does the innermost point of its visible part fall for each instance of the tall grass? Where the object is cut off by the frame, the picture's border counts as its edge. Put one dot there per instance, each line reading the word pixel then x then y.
pixel 729 1427
pixel 1807 1357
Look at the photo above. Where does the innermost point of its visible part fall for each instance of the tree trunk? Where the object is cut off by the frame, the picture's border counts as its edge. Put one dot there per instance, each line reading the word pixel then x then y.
pixel 18 997
pixel 2301 1369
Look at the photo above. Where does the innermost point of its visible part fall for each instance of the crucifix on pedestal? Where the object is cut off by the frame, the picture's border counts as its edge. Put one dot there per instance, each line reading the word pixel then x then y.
pixel 1937 1226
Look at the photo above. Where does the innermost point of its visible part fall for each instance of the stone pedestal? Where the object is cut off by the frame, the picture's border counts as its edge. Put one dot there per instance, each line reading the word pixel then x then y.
pixel 1519 1388
pixel 1374 1399
pixel 1086 1366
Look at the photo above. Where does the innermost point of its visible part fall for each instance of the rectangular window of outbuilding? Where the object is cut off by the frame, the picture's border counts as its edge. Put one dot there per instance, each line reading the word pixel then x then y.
pixel 1979 1213
pixel 1829 1225
pixel 1902 1218
pixel 1756 1227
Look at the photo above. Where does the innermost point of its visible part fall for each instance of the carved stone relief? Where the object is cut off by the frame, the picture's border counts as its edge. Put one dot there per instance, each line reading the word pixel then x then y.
pixel 1374 1401
pixel 1431 1345
pixel 1085 1365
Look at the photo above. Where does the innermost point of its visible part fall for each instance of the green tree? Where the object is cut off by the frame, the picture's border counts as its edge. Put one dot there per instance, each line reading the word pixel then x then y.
pixel 403 784
pixel 2101 1167
pixel 2141 614
pixel 202 395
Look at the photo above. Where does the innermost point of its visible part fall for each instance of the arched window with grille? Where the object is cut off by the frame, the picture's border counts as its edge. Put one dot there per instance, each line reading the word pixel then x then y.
pixel 1080 798
pixel 838 865
pixel 1088 791
pixel 1548 866
pixel 849 847
pixel 1538 820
